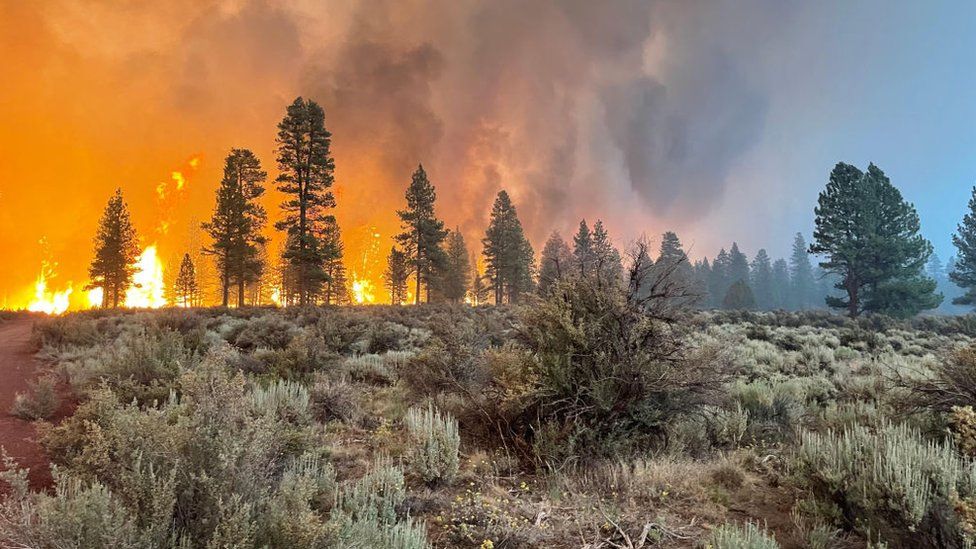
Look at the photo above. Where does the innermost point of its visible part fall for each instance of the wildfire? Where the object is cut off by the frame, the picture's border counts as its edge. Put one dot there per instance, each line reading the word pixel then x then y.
pixel 362 291
pixel 52 303
pixel 148 288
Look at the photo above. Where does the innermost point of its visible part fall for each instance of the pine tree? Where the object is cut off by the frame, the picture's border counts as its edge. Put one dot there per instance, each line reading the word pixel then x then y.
pixel 738 265
pixel 555 263
pixel 453 280
pixel 422 232
pixel 739 296
pixel 761 279
pixel 781 285
pixel 116 251
pixel 306 169
pixel 186 283
pixel 335 288
pixel 869 235
pixel 396 275
pixel 236 223
pixel 963 272
pixel 584 256
pixel 718 281
pixel 608 266
pixel 803 288
pixel 701 275
pixel 672 261
pixel 508 254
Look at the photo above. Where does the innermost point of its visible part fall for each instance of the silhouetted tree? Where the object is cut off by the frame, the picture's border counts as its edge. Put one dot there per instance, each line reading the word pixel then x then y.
pixel 607 264
pixel 803 292
pixel 422 231
pixel 306 169
pixel 761 278
pixel 508 254
pixel 453 279
pixel 869 235
pixel 718 281
pixel 963 272
pixel 236 223
pixel 781 285
pixel 396 275
pixel 186 283
pixel 738 265
pixel 555 263
pixel 116 251
pixel 335 288
pixel 584 256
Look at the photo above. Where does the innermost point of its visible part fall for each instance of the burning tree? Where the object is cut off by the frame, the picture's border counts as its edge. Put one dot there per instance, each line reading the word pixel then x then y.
pixel 115 253
pixel 306 175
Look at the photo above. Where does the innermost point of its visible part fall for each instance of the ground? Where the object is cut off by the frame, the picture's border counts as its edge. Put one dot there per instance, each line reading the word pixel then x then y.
pixel 18 368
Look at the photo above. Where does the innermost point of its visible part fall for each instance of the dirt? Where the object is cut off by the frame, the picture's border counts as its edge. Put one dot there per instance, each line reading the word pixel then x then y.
pixel 18 368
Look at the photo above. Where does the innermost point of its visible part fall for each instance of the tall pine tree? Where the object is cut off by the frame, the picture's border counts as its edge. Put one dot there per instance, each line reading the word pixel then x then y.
pixel 422 232
pixel 236 223
pixel 963 272
pixel 781 285
pixel 761 278
pixel 508 254
pixel 803 288
pixel 870 237
pixel 584 255
pixel 306 173
pixel 454 277
pixel 116 251
pixel 608 266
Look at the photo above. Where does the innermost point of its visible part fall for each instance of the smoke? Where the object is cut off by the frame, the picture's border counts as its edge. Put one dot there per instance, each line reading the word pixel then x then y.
pixel 633 111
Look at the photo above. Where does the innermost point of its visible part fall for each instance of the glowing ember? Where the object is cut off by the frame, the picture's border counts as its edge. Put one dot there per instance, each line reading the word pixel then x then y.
pixel 52 303
pixel 362 291
pixel 147 289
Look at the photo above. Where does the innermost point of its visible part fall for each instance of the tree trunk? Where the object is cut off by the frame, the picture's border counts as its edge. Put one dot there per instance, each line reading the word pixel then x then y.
pixel 240 294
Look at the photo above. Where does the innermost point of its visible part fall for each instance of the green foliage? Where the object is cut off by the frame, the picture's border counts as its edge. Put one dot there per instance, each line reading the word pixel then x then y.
pixel 555 262
pixel 434 441
pixel 869 235
pixel 611 372
pixel 889 482
pixel 747 536
pixel 452 281
pixel 963 273
pixel 39 402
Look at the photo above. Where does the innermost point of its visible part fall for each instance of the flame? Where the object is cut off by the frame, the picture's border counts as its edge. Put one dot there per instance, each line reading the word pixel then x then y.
pixel 362 291
pixel 147 289
pixel 52 303
pixel 95 296
pixel 276 296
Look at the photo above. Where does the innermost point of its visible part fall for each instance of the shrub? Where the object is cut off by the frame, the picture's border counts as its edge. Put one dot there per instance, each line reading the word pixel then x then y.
pixel 334 400
pixel 748 536
pixel 434 443
pixel 889 482
pixel 376 496
pixel 285 399
pixel 40 401
pixel 613 371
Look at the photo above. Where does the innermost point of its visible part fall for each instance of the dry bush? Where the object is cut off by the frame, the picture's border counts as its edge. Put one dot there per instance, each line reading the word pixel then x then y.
pixel 433 444
pixel 39 402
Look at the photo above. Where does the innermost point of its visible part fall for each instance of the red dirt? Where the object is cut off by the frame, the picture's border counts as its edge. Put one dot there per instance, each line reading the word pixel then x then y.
pixel 18 368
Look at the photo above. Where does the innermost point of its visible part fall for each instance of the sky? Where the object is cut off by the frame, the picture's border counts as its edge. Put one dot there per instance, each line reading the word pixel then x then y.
pixel 720 120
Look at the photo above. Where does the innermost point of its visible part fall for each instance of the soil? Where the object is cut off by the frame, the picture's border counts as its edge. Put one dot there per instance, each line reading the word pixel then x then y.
pixel 18 368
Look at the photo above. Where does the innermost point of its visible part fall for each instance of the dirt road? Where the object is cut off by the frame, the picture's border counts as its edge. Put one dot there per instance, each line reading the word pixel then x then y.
pixel 18 368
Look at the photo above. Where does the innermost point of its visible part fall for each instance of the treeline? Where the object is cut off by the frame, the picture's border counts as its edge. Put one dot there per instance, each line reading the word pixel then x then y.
pixel 872 257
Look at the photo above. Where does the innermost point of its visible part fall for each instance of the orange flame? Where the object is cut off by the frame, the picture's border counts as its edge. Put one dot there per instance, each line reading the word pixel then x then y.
pixel 52 303
pixel 363 291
